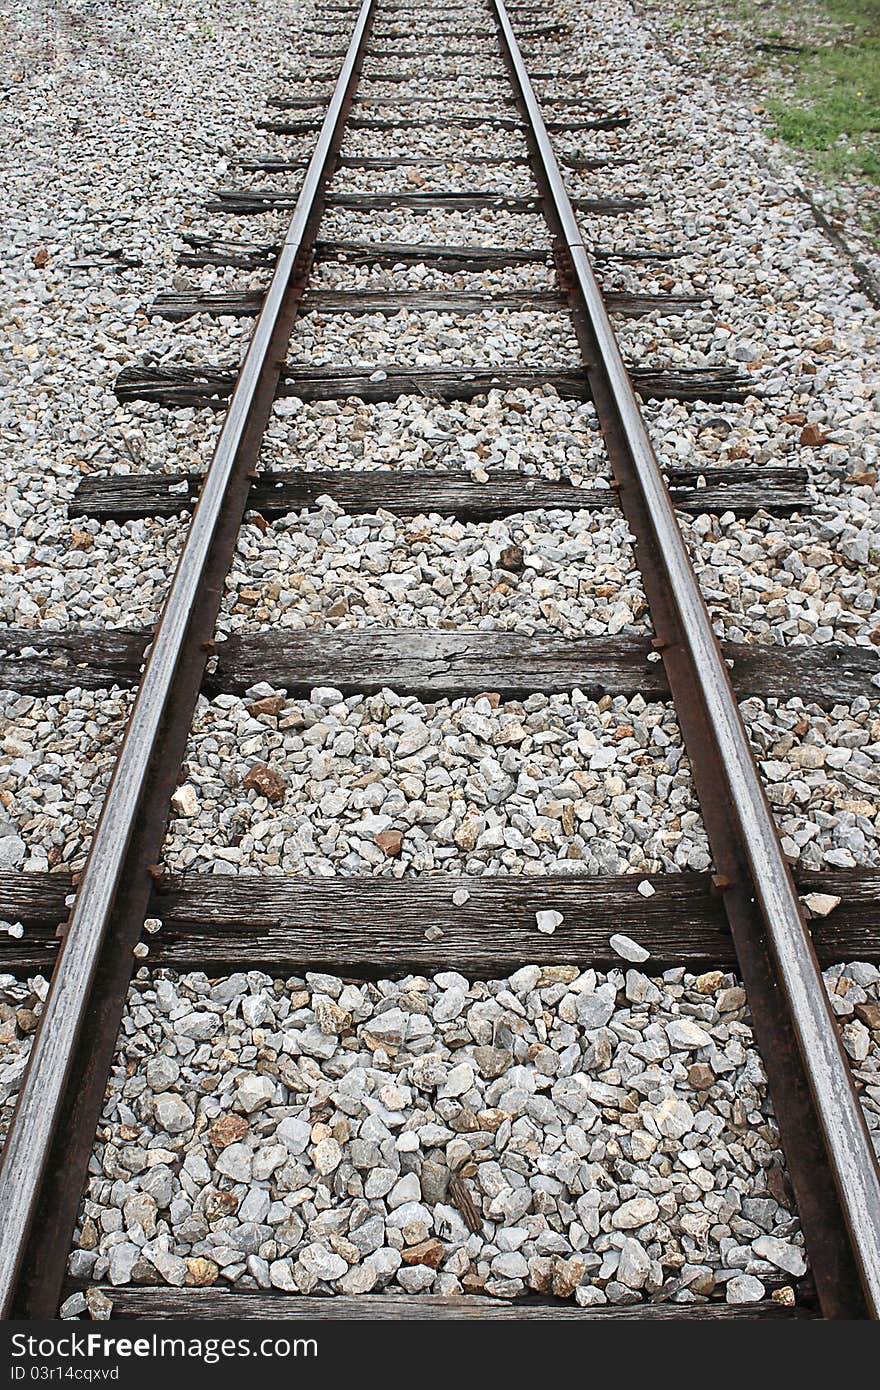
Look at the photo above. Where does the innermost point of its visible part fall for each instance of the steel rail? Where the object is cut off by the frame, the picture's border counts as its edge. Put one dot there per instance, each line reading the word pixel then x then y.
pixel 33 1130
pixel 844 1134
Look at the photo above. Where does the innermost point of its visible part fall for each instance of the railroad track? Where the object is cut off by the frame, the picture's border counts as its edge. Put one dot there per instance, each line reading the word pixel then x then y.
pixel 747 912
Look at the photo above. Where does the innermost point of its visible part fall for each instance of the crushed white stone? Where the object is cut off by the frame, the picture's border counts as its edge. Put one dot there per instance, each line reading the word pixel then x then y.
pixel 548 921
pixel 821 904
pixel 628 949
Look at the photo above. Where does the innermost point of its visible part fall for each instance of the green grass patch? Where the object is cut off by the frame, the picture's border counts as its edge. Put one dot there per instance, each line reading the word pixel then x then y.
pixel 833 109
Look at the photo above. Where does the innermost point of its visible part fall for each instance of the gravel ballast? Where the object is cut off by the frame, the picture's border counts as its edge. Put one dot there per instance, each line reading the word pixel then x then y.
pixel 559 783
pixel 603 1137
pixel 600 1137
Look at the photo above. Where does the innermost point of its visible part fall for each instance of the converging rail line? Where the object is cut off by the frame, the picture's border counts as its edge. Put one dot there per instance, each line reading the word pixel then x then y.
pixel 749 912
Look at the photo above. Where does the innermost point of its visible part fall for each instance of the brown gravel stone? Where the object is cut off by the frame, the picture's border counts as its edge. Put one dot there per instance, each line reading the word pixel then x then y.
pixel 729 1000
pixel 229 1129
pixel 200 1273
pixel 429 1252
pixel 271 704
pixel 708 983
pixel 567 1274
pixel 811 435
pixel 869 1014
pixel 266 781
pixel 785 1296
pixel 541 1273
pixel 492 1061
pixel 511 559
pixel 391 841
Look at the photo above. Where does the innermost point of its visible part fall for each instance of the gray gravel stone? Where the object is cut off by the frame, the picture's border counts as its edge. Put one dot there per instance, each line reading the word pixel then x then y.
pixel 315 1259
pixel 12 852
pixel 254 1092
pixel 236 1162
pixel 781 1253
pixel 74 1306
pixel 744 1288
pixel 638 1211
pixel 123 1258
pixel 172 1113
pixel 162 1073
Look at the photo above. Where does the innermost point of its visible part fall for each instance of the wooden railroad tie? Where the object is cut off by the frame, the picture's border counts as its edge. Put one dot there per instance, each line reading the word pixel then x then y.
pixel 431 665
pixel 374 926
